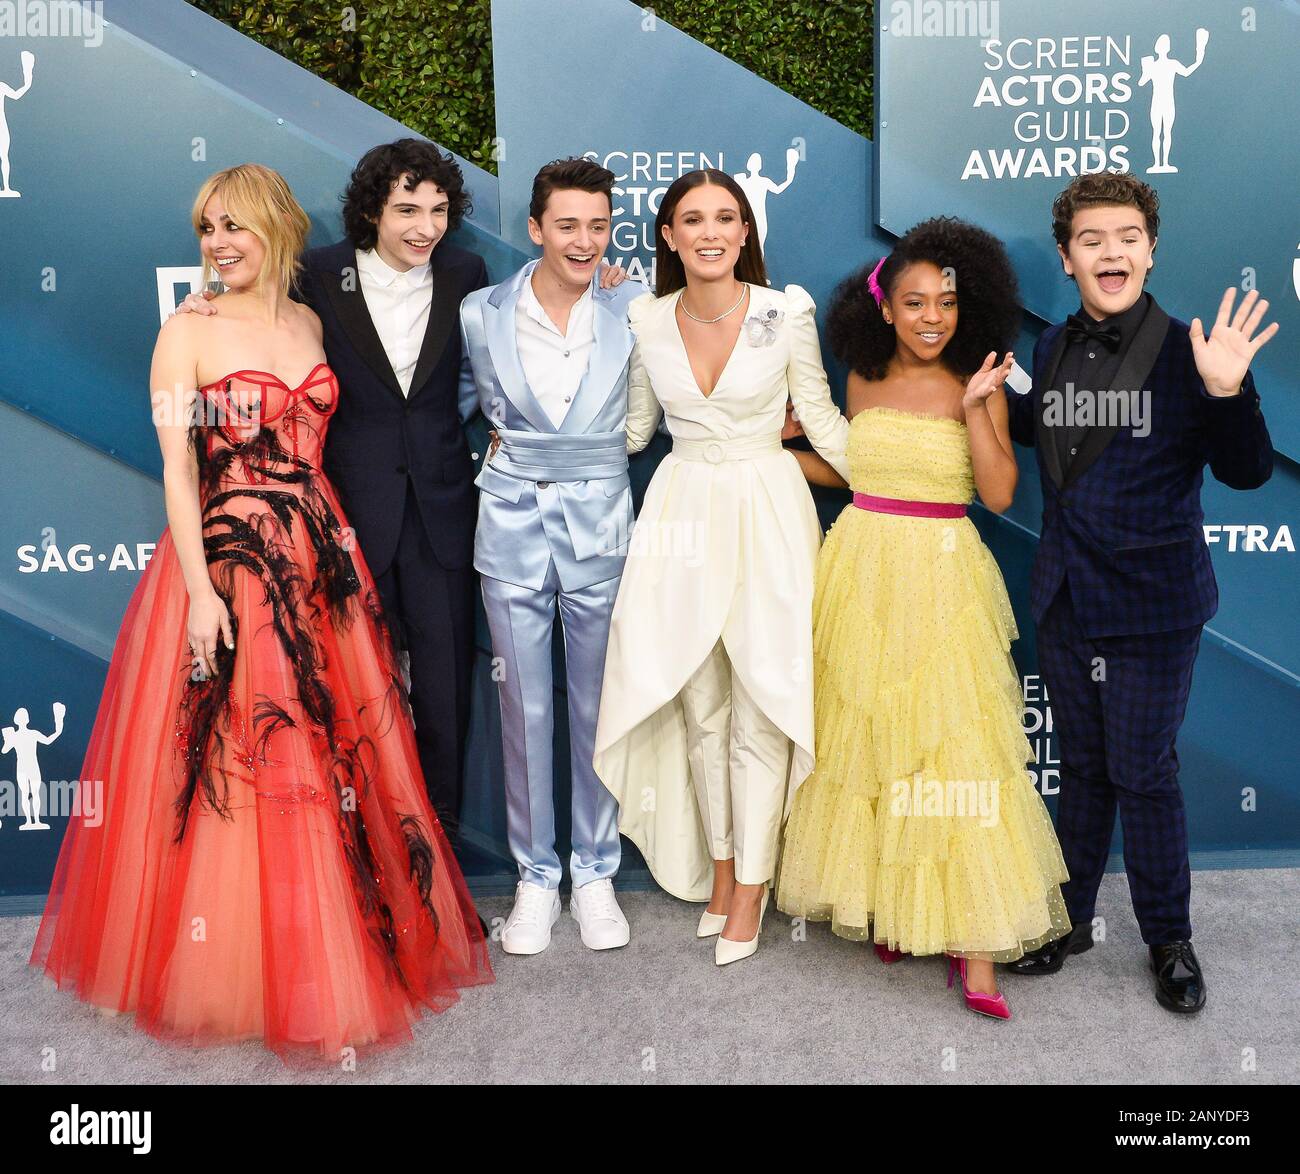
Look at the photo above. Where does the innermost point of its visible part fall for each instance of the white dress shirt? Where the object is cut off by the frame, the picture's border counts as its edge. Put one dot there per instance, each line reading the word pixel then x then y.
pixel 554 362
pixel 399 308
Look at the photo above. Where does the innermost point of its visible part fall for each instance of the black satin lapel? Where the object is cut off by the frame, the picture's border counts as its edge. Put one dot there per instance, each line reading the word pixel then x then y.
pixel 1145 349
pixel 1132 374
pixel 444 312
pixel 1046 441
pixel 350 305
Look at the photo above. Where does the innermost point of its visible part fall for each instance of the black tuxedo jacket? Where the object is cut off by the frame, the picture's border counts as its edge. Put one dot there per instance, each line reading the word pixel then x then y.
pixel 379 439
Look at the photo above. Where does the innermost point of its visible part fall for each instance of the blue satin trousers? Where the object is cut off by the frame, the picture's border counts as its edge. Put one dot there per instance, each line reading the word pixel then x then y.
pixel 522 622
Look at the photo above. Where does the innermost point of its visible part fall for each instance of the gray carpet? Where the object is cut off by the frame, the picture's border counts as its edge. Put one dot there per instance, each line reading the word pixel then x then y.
pixel 817 1010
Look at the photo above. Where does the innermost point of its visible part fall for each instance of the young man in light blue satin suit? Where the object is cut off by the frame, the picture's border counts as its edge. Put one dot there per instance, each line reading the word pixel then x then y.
pixel 546 359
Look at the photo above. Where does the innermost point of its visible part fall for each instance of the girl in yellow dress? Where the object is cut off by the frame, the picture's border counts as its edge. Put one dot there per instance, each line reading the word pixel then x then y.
pixel 920 820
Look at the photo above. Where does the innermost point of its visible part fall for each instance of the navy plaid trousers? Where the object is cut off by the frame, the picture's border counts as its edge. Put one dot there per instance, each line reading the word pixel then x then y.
pixel 1117 703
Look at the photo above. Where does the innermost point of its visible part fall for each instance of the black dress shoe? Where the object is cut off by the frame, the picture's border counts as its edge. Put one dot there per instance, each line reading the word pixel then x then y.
pixel 1050 958
pixel 1179 985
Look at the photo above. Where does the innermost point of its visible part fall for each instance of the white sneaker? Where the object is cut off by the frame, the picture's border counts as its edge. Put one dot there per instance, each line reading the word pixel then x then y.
pixel 528 928
pixel 598 916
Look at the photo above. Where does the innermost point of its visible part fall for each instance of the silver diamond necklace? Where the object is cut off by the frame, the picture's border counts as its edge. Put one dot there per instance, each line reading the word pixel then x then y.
pixel 744 289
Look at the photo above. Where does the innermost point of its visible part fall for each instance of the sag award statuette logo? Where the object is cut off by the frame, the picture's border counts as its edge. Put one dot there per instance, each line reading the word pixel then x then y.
pixel 22 740
pixel 1068 99
pixel 757 187
pixel 1159 73
pixel 642 177
pixel 8 92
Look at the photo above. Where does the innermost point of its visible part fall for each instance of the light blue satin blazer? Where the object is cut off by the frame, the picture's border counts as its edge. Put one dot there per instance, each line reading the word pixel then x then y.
pixel 549 493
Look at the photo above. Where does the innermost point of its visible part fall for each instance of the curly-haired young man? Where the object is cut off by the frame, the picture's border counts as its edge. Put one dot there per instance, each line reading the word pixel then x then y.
pixel 1128 407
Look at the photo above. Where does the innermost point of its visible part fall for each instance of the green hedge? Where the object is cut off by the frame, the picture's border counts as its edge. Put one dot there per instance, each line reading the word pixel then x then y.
pixel 428 63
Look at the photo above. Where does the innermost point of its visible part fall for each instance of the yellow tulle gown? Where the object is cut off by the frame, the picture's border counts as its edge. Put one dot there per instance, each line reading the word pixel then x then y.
pixel 919 826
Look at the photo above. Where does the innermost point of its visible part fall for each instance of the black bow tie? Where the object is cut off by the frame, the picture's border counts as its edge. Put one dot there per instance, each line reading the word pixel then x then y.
pixel 1080 330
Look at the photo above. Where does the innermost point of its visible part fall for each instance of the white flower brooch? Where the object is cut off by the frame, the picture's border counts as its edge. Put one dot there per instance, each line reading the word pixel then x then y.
pixel 760 329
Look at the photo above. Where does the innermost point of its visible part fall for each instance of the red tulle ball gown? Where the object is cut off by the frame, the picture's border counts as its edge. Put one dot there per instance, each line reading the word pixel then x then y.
pixel 267 865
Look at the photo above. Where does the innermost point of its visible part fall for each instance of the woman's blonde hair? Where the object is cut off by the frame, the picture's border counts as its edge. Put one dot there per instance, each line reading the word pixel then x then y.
pixel 258 199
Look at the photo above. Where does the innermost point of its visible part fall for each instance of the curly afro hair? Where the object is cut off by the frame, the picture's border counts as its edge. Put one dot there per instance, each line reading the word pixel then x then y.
pixel 380 167
pixel 988 302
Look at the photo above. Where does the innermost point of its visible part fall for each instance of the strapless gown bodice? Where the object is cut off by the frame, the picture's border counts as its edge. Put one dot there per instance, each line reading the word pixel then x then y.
pixel 908 455
pixel 253 418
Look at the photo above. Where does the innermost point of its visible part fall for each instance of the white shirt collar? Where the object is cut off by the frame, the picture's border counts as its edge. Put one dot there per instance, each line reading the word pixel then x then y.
pixel 382 273
pixel 533 308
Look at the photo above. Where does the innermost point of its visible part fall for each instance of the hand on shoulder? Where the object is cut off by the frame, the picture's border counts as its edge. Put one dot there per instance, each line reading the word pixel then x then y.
pixel 200 305
pixel 181 325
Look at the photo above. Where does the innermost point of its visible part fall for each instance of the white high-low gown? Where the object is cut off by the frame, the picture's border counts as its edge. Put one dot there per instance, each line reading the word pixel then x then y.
pixel 725 547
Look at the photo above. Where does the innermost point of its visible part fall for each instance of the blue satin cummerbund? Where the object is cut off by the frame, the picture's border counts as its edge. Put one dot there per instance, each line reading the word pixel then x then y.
pixel 537 456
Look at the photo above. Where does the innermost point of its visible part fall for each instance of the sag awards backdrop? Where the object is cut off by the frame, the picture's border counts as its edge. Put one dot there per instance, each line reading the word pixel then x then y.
pixel 112 114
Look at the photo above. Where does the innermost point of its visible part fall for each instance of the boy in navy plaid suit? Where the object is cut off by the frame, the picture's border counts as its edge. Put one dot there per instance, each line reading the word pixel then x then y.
pixel 1128 406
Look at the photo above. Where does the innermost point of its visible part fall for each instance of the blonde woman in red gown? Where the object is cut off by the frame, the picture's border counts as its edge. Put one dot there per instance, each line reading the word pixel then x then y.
pixel 267 865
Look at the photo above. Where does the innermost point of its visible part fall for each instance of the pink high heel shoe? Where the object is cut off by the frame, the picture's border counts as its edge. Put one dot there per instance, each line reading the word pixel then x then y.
pixel 886 955
pixel 994 1006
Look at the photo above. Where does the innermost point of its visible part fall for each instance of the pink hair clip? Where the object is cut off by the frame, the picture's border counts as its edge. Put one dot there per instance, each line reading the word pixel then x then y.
pixel 873 283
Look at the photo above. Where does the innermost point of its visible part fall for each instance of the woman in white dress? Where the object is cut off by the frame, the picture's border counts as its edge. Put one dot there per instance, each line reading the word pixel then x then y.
pixel 706 716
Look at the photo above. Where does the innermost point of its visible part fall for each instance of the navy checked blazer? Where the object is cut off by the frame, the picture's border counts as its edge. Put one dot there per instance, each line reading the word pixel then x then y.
pixel 1124 522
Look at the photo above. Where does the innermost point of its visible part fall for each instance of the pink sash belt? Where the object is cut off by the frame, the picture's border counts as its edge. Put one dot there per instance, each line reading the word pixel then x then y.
pixel 913 509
